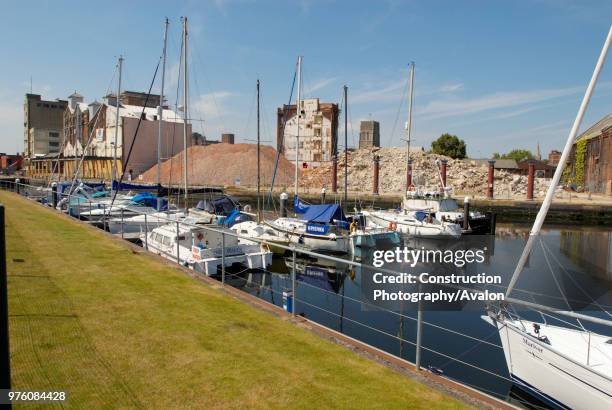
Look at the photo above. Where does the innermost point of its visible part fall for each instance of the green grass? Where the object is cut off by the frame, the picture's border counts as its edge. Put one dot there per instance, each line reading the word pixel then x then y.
pixel 122 330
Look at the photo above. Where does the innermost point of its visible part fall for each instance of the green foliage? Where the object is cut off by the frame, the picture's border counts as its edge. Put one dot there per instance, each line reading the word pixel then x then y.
pixel 580 158
pixel 516 154
pixel 449 145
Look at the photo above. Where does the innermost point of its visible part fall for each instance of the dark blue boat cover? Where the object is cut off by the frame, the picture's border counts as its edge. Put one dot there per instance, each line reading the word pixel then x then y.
pixel 324 213
pixel 133 187
pixel 298 206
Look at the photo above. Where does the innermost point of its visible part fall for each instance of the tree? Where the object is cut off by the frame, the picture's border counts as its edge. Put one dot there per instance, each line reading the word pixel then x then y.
pixel 449 145
pixel 516 154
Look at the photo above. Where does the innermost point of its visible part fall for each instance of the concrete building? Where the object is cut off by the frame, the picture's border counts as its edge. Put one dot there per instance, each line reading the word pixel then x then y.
pixel 369 134
pixel 596 161
pixel 318 132
pixel 43 126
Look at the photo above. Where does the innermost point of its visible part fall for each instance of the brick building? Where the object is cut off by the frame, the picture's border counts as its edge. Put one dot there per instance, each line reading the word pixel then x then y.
pixel 318 131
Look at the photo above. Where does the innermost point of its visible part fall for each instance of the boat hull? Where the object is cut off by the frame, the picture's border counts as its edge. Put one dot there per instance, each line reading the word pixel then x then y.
pixel 418 230
pixel 549 376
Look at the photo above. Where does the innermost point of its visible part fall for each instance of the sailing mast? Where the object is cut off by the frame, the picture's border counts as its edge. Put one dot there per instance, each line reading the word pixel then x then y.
pixel 409 127
pixel 185 97
pixel 114 171
pixel 537 225
pixel 298 114
pixel 345 144
pixel 160 113
pixel 258 160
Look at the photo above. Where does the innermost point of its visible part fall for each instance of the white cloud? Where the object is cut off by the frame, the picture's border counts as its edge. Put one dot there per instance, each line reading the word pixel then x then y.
pixel 210 106
pixel 451 88
pixel 321 84
pixel 455 107
pixel 389 92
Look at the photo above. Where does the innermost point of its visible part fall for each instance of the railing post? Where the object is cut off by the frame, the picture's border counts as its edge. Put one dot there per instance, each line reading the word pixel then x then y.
pixel 17 181
pixel 122 209
pixel 146 241
pixel 178 256
pixel 104 216
pixel 5 363
pixel 223 258
pixel 54 194
pixel 293 295
pixel 419 336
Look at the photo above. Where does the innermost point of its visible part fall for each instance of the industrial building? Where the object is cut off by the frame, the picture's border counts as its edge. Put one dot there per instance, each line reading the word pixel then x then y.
pixel 43 126
pixel 318 132
pixel 91 128
pixel 369 134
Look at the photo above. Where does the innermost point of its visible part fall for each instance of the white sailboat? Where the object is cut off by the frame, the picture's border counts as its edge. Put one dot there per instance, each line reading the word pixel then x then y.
pixel 414 222
pixel 566 368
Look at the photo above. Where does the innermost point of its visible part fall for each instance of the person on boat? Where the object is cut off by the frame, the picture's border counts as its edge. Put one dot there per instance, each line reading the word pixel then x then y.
pixel 200 243
pixel 353 227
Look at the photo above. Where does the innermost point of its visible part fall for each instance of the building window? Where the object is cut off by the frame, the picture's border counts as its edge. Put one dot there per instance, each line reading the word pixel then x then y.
pixel 54 135
pixel 53 144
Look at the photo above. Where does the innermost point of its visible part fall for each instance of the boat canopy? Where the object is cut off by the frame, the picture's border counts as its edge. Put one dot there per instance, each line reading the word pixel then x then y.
pixel 324 213
pixel 220 206
pixel 298 206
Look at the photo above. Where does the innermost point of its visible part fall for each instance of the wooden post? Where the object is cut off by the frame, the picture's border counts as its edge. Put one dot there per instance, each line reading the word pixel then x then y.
pixel 530 178
pixel 376 170
pixel 490 179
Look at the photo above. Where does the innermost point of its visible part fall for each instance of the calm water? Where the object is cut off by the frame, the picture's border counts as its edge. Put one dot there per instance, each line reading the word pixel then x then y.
pixel 338 297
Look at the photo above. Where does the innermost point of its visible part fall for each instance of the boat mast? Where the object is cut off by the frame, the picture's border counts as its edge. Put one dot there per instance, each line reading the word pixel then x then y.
pixel 160 113
pixel 114 171
pixel 298 114
pixel 345 143
pixel 537 225
pixel 409 124
pixel 258 160
pixel 185 97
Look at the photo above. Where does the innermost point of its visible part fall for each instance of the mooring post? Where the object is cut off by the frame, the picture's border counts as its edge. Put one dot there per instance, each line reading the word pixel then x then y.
pixel 323 195
pixel 334 183
pixel 146 241
pixel 443 164
pixel 5 363
pixel 223 258
pixel 293 295
pixel 283 204
pixel 466 213
pixel 409 175
pixel 376 170
pixel 419 336
pixel 490 179
pixel 530 178
pixel 178 257
pixel 54 194
pixel 17 181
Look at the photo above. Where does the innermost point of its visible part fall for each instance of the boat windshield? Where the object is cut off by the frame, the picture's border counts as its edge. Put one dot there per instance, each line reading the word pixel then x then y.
pixel 447 205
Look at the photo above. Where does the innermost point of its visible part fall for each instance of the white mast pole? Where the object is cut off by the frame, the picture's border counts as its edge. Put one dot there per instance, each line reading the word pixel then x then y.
pixel 185 98
pixel 114 171
pixel 537 225
pixel 409 123
pixel 160 113
pixel 297 113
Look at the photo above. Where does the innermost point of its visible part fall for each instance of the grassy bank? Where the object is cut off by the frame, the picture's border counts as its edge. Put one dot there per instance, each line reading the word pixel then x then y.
pixel 119 329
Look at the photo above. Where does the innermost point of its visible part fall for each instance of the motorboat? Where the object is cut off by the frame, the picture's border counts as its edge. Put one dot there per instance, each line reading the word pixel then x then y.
pixel 446 209
pixel 205 248
pixel 136 224
pixel 413 223
pixel 261 232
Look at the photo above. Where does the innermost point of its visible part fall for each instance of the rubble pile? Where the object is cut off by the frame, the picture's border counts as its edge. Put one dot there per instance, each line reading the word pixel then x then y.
pixel 464 176
pixel 224 165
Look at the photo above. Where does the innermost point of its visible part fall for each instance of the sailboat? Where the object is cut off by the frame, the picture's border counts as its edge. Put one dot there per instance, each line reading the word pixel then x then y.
pixel 566 368
pixel 414 222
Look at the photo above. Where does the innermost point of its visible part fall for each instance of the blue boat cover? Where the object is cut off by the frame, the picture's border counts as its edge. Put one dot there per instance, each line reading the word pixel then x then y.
pixel 324 213
pixel 150 200
pixel 420 215
pixel 298 206
pixel 132 187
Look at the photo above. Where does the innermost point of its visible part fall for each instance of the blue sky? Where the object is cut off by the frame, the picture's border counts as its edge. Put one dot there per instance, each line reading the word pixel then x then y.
pixel 499 74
